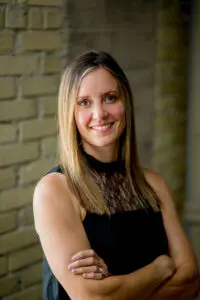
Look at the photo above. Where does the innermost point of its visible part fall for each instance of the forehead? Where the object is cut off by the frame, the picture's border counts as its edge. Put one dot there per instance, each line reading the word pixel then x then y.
pixel 97 81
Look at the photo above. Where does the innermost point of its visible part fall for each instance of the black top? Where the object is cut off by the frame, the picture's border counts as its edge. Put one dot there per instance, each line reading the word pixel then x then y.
pixel 130 238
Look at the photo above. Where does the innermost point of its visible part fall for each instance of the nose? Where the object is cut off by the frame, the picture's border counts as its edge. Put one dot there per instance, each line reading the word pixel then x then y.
pixel 99 112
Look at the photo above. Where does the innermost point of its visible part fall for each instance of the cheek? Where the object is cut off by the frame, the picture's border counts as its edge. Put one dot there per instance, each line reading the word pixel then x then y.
pixel 118 111
pixel 82 117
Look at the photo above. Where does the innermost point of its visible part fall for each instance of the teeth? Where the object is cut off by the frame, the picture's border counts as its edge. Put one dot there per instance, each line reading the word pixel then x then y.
pixel 101 127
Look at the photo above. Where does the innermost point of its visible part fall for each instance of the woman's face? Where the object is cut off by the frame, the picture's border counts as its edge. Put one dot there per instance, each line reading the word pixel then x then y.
pixel 99 111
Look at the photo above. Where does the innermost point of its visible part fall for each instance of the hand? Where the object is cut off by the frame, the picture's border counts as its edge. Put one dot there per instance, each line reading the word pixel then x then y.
pixel 165 266
pixel 88 264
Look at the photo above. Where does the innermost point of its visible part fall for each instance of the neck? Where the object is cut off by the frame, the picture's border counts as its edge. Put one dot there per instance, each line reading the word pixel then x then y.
pixel 104 154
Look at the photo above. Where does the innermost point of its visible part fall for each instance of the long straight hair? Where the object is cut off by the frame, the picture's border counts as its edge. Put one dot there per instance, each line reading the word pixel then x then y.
pixel 78 175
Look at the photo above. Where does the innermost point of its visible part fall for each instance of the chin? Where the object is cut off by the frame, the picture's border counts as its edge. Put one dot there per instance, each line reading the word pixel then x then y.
pixel 103 143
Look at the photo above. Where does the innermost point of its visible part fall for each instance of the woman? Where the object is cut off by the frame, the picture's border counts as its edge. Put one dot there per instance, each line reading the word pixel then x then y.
pixel 99 214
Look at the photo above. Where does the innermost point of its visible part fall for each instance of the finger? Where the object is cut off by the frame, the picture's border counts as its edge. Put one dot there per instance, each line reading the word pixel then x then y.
pixel 96 276
pixel 83 254
pixel 90 261
pixel 103 266
pixel 81 271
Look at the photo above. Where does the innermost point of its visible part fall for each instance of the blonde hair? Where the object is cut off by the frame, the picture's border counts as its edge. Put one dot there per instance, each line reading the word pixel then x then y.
pixel 78 174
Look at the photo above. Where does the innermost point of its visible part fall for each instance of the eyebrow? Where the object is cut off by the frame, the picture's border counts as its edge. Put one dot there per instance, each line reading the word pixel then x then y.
pixel 87 96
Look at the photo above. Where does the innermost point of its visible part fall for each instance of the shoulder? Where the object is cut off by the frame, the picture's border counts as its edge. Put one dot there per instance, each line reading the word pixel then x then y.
pixel 51 184
pixel 154 179
pixel 159 185
pixel 52 198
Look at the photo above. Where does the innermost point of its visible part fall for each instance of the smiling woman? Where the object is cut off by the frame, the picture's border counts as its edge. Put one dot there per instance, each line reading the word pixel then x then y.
pixel 100 114
pixel 99 214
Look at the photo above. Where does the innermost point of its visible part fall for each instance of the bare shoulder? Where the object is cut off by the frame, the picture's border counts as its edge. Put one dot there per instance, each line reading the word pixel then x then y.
pixel 159 185
pixel 154 178
pixel 52 197
pixel 53 183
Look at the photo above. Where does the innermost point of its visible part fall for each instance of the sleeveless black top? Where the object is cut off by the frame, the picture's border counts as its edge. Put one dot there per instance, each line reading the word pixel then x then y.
pixel 130 238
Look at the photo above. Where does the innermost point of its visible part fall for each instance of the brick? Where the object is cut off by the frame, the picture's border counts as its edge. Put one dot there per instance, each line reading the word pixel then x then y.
pixel 18 153
pixel 15 198
pixel 45 2
pixel 8 133
pixel 3 265
pixel 49 146
pixel 17 239
pixel 7 87
pixel 19 65
pixel 52 64
pixel 7 178
pixel 8 285
pixel 25 257
pixel 35 170
pixel 2 17
pixel 53 19
pixel 31 275
pixel 17 110
pixel 37 128
pixel 26 216
pixel 8 222
pixel 39 85
pixel 40 41
pixel 32 293
pixel 15 16
pixel 35 19
pixel 6 41
pixel 48 105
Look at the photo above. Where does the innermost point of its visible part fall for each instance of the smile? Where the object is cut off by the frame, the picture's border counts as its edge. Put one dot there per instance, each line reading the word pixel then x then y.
pixel 103 127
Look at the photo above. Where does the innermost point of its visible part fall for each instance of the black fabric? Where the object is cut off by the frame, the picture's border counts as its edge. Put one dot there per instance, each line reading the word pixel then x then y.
pixel 126 240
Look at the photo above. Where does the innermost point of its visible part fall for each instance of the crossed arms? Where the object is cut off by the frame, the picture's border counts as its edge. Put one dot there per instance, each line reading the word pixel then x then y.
pixel 58 223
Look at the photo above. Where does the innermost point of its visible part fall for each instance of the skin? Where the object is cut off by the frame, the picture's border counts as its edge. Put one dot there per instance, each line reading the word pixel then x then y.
pixel 99 104
pixel 58 216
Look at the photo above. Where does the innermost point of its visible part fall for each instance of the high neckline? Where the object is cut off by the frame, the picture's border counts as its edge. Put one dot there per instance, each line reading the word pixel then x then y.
pixel 107 167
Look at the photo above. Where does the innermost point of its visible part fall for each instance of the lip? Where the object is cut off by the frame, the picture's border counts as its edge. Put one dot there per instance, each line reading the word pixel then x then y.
pixel 102 128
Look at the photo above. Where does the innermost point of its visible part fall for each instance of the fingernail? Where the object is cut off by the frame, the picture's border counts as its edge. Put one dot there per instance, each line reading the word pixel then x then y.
pixel 73 270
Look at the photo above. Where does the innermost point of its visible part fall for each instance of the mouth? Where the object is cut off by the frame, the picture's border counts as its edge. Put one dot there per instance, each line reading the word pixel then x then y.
pixel 103 127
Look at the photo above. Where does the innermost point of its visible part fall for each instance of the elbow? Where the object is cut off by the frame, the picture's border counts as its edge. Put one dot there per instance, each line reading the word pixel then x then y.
pixel 191 280
pixel 189 274
pixel 195 286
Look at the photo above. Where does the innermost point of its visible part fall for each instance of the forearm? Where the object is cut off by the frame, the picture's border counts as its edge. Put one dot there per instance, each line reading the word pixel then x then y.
pixel 137 285
pixel 182 285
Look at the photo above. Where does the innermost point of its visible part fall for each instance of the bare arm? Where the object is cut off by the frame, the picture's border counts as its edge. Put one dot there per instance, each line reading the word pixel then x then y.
pixel 185 282
pixel 59 225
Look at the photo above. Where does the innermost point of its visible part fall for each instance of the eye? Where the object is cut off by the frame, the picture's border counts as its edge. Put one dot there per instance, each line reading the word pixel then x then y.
pixel 83 102
pixel 110 98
